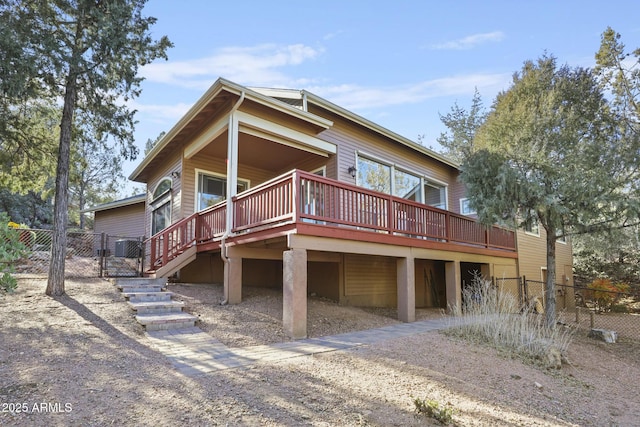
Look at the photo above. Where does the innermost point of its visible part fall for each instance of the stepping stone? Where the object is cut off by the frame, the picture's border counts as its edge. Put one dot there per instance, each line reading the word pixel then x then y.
pixel 135 297
pixel 151 307
pixel 161 322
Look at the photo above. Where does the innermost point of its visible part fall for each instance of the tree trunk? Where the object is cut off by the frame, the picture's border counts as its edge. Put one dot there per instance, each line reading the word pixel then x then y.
pixel 55 284
pixel 550 288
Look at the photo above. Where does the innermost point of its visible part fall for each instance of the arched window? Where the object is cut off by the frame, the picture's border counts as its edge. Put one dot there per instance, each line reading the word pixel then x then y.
pixel 161 206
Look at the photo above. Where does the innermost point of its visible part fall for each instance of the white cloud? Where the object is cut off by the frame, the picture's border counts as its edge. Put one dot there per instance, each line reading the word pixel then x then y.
pixel 254 66
pixel 470 42
pixel 357 97
pixel 160 113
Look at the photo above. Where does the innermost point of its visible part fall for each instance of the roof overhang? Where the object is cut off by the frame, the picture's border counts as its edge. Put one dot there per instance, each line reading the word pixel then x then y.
pixel 129 201
pixel 216 90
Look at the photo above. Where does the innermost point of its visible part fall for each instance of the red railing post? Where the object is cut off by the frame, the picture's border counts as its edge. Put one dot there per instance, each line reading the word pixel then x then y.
pixel 447 226
pixel 296 195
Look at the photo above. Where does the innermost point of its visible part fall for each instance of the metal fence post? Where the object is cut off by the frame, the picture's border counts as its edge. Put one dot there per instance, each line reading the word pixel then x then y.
pixel 101 254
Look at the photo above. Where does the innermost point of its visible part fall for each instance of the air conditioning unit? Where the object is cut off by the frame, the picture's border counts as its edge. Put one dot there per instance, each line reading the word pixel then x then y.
pixel 127 248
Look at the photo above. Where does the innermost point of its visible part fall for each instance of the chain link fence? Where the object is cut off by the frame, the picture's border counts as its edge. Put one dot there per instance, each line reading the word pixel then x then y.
pixel 86 255
pixel 593 309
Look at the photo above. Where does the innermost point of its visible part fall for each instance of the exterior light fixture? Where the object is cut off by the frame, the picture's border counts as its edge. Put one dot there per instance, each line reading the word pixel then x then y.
pixel 352 171
pixel 175 174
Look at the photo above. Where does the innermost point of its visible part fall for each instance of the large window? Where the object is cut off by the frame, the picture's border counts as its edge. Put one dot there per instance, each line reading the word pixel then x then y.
pixel 376 175
pixel 161 206
pixel 212 189
pixel 407 186
pixel 435 194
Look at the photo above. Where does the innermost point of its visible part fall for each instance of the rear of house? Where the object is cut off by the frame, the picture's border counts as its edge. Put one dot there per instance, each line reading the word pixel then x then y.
pixel 281 188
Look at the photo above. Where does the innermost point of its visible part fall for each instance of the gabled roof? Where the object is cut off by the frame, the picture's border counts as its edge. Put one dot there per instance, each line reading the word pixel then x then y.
pixel 133 200
pixel 292 102
pixel 221 94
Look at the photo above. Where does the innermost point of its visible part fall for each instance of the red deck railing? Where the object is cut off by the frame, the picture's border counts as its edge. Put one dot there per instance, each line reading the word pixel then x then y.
pixel 302 197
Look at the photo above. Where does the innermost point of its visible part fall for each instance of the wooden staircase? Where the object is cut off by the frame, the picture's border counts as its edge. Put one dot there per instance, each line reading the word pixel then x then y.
pixel 154 305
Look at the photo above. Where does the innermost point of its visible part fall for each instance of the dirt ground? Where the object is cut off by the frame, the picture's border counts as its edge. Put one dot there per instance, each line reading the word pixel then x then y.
pixel 81 359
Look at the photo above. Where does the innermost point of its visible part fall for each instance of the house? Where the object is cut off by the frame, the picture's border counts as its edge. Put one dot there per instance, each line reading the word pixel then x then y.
pixel 282 188
pixel 117 220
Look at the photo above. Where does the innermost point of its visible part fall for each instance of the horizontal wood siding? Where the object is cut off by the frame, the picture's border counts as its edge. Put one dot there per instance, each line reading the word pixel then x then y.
pixel 172 164
pixel 126 221
pixel 218 166
pixel 369 275
pixel 532 253
pixel 351 139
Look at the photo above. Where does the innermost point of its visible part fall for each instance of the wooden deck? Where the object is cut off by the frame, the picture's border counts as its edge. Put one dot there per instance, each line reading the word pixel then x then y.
pixel 306 203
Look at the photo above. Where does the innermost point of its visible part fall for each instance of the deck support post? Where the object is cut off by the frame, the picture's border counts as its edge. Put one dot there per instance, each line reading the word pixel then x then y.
pixel 406 283
pixel 294 298
pixel 453 279
pixel 233 280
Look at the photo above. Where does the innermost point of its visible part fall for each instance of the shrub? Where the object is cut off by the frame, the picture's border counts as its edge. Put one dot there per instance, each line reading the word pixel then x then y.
pixel 432 409
pixel 489 315
pixel 11 250
pixel 606 294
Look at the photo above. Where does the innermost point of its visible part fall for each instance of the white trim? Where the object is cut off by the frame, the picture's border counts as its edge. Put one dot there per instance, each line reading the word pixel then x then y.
pixel 271 128
pixel 462 200
pixel 155 187
pixel 274 138
pixel 322 169
pixel 424 178
pixel 205 137
pixel 215 175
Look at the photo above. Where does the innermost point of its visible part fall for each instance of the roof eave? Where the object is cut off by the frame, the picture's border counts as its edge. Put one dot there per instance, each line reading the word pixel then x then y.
pixel 219 86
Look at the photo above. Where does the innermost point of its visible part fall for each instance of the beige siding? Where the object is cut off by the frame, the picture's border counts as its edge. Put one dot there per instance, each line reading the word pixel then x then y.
pixel 351 140
pixel 370 280
pixel 172 164
pixel 127 221
pixel 532 253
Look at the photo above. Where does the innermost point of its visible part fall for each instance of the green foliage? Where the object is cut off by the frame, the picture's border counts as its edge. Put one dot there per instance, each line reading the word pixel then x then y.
pixel 32 209
pixel 85 56
pixel 431 408
pixel 462 125
pixel 612 254
pixel 12 248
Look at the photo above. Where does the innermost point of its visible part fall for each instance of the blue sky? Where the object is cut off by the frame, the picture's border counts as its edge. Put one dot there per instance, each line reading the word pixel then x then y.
pixel 398 63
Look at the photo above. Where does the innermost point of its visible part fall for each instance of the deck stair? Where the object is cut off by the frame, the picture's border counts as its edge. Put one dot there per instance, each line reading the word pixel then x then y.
pixel 154 306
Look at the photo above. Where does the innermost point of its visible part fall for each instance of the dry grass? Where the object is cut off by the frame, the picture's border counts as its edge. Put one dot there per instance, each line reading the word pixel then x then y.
pixel 499 321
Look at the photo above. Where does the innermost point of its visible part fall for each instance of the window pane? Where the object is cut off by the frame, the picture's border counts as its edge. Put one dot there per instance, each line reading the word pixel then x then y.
pixel 407 186
pixel 163 187
pixel 161 218
pixel 435 195
pixel 374 176
pixel 212 190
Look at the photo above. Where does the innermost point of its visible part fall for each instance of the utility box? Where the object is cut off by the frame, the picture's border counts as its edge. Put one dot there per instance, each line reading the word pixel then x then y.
pixel 127 249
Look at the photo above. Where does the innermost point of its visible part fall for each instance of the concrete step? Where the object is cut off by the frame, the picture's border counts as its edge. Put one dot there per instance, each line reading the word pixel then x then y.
pixel 141 281
pixel 161 322
pixel 136 297
pixel 140 288
pixel 157 307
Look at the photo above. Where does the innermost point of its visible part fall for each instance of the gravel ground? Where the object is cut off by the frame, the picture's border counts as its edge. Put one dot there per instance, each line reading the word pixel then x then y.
pixel 81 359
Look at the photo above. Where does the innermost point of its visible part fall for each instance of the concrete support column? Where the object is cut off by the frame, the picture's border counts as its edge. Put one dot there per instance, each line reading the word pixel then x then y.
pixel 233 280
pixel 406 282
pixel 294 293
pixel 453 279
